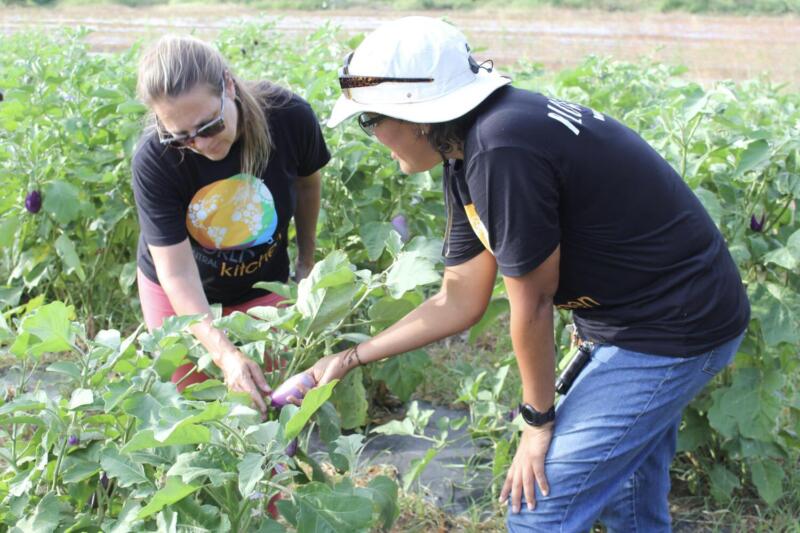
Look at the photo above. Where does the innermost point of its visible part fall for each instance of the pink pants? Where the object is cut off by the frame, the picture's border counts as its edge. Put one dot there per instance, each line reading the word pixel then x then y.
pixel 156 307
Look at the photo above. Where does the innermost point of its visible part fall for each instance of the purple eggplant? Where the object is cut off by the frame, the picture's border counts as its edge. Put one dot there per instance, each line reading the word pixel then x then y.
pixel 33 202
pixel 400 225
pixel 291 449
pixel 757 224
pixel 73 440
pixel 289 388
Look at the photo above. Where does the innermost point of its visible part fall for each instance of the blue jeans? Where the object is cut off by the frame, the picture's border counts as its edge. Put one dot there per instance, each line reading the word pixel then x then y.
pixel 614 439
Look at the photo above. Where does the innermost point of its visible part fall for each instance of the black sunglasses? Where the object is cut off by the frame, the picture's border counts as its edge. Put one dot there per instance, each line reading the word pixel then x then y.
pixel 348 81
pixel 368 121
pixel 209 129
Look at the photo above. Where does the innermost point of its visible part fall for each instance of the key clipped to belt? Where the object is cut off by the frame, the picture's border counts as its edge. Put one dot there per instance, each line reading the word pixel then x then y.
pixel 578 362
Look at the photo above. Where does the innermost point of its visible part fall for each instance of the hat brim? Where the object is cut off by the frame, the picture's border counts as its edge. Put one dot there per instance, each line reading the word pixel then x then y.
pixel 442 109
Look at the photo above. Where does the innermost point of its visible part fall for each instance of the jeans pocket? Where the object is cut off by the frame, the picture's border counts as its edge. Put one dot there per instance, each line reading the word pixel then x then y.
pixel 715 361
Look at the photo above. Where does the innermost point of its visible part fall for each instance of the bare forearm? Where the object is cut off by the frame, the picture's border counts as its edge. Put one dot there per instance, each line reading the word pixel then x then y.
pixel 532 338
pixel 435 319
pixel 187 298
pixel 306 215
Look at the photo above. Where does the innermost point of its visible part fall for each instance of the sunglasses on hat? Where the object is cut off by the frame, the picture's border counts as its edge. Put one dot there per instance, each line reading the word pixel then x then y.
pixel 349 81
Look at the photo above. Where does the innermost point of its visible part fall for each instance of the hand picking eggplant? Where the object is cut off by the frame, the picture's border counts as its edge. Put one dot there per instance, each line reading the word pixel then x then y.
pixel 291 388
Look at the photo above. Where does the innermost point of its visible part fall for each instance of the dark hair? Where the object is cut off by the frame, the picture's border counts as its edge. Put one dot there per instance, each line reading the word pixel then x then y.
pixel 446 137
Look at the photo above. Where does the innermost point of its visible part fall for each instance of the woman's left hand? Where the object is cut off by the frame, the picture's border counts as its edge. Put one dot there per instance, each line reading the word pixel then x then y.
pixel 528 467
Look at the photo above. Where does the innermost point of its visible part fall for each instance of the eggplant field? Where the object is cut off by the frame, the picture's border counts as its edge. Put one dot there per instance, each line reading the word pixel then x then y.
pixel 95 437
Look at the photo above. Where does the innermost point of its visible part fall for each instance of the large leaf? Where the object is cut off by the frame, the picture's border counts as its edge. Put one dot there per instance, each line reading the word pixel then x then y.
pixel 383 492
pixel 350 399
pixel 186 434
pixel 251 471
pixel 315 398
pixel 403 374
pixel 80 397
pixel 768 477
pixel 45 517
pixel 174 491
pixel 374 235
pixel 127 518
pixel 787 256
pixel 61 199
pixel 756 154
pixel 122 468
pixel 198 465
pixel 51 325
pixel 723 481
pixel 777 307
pixel 410 270
pixel 69 256
pixel 751 402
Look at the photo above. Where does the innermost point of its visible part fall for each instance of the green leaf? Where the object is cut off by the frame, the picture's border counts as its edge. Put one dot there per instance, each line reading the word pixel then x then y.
pixel 404 373
pixel 768 477
pixel 396 427
pixel 187 434
pixel 46 516
pixel 417 466
pixel 350 399
pixel 62 200
pixel 50 324
pixel 778 309
pixel 387 311
pixel 723 482
pixel 251 471
pixel 174 491
pixel 409 271
pixel 756 154
pixel 384 495
pixel 127 518
pixel 281 289
pixel 374 235
pixel 169 359
pixel 80 397
pixel 122 468
pixel 315 398
pixel 787 256
pixel 193 465
pixel 80 469
pixel 66 367
pixel 69 256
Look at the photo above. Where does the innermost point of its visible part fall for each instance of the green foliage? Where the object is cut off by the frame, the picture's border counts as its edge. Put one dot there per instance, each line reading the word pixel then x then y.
pixel 122 450
pixel 68 123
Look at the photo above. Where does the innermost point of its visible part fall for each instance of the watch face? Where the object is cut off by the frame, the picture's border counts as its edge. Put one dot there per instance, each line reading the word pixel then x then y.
pixel 533 417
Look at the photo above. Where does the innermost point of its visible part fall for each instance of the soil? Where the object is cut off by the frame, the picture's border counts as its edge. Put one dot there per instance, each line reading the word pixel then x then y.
pixel 714 47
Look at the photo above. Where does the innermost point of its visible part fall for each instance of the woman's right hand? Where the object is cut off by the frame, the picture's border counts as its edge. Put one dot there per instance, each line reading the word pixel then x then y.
pixel 242 374
pixel 332 367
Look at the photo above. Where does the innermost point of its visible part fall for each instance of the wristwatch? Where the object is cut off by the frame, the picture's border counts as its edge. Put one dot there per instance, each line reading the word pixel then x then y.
pixel 534 418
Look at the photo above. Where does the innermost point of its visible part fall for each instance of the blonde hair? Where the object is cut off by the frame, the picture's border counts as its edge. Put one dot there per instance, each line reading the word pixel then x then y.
pixel 177 64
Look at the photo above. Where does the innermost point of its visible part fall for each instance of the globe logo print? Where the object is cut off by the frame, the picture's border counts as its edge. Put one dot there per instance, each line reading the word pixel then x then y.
pixel 232 214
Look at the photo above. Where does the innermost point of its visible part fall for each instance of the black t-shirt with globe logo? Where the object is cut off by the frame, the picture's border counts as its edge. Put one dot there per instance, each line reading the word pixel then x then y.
pixel 642 265
pixel 236 223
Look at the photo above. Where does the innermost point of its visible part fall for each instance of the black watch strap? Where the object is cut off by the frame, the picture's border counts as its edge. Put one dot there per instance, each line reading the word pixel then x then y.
pixel 534 418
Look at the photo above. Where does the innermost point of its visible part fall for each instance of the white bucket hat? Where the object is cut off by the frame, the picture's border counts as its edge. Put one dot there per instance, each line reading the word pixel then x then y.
pixel 417 69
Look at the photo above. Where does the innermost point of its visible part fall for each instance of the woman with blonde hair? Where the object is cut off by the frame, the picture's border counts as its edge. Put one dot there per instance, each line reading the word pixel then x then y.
pixel 221 169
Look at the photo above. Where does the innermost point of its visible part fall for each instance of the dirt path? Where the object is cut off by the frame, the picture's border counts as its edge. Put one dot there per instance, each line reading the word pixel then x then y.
pixel 713 47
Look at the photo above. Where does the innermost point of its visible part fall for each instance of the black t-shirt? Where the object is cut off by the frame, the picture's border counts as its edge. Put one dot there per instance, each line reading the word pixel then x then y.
pixel 642 264
pixel 236 223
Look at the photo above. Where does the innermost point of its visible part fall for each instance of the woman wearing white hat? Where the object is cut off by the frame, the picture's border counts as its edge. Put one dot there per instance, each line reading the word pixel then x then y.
pixel 577 212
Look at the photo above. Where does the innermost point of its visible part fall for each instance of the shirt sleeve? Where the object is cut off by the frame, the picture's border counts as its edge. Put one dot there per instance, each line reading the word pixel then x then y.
pixel 516 198
pixel 162 213
pixel 461 243
pixel 312 152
